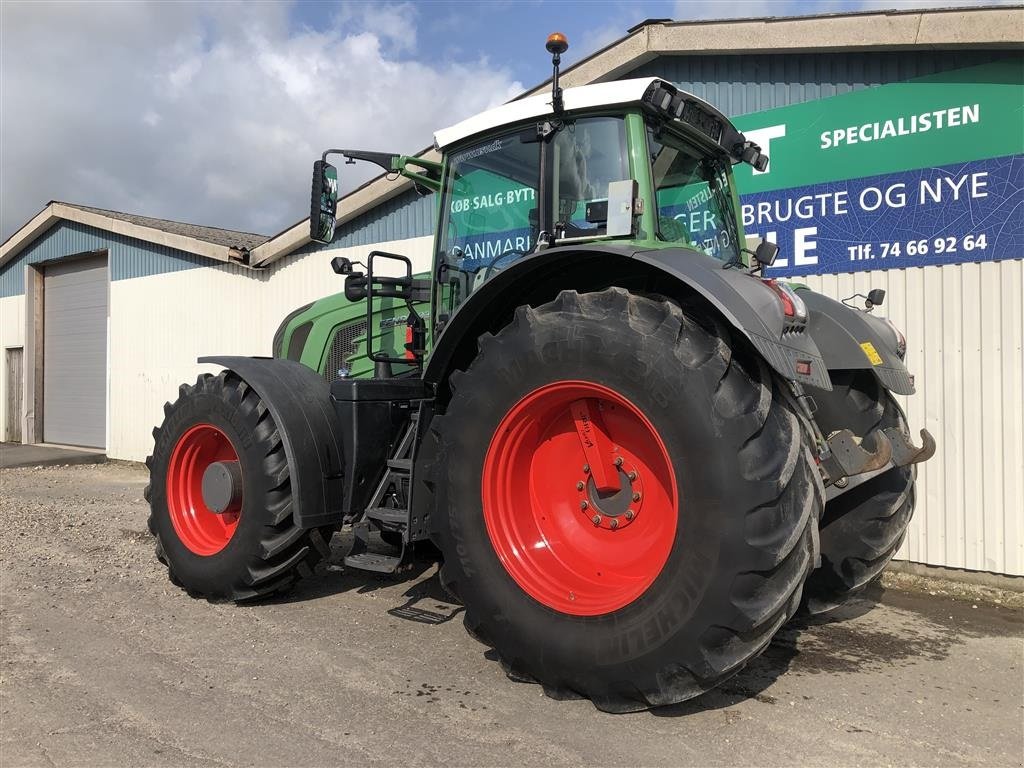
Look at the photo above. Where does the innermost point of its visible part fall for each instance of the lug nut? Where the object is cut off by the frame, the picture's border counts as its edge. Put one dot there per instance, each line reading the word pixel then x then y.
pixel 586 469
pixel 629 514
pixel 631 475
pixel 583 505
pixel 618 461
pixel 596 519
pixel 636 497
pixel 579 486
pixel 613 524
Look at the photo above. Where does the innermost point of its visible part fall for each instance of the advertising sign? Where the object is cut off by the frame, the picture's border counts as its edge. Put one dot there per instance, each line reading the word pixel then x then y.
pixel 929 171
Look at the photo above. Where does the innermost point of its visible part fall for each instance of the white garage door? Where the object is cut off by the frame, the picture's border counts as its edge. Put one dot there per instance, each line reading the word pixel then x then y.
pixel 75 352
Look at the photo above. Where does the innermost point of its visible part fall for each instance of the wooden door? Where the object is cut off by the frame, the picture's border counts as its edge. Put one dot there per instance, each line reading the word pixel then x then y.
pixel 15 387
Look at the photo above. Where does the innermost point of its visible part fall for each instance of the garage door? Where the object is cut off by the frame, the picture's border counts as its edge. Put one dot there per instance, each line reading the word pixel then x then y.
pixel 75 352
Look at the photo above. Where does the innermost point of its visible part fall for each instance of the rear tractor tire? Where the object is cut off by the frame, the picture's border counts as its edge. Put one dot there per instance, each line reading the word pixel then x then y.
pixel 220 431
pixel 656 592
pixel 862 528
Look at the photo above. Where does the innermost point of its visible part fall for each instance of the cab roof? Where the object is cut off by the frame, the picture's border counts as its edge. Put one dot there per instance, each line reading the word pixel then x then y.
pixel 610 94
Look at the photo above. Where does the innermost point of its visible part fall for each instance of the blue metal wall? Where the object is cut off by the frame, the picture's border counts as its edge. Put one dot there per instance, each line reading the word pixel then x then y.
pixel 739 85
pixel 407 215
pixel 127 256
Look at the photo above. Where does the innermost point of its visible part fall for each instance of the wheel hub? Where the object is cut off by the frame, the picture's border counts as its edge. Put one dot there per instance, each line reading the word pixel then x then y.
pixel 613 510
pixel 222 486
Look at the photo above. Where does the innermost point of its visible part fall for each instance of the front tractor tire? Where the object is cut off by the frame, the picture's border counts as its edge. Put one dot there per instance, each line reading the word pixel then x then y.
pixel 247 546
pixel 863 528
pixel 653 593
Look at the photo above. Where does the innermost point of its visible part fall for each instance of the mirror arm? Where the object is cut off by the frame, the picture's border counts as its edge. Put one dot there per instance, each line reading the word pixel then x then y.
pixel 428 176
pixel 386 160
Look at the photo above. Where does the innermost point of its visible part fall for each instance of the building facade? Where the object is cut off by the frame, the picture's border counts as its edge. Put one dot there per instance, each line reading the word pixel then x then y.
pixel 897 146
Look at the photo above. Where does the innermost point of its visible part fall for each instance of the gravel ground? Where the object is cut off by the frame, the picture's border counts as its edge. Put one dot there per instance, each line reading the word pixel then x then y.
pixel 104 662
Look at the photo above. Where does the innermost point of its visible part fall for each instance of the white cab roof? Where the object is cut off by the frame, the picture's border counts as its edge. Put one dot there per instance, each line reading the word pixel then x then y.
pixel 583 97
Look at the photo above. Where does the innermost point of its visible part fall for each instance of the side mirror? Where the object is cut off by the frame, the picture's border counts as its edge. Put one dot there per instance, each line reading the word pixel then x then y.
pixel 875 297
pixel 323 202
pixel 341 265
pixel 766 252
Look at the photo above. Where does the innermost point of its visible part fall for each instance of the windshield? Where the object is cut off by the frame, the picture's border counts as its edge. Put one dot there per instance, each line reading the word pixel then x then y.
pixel 695 204
pixel 490 210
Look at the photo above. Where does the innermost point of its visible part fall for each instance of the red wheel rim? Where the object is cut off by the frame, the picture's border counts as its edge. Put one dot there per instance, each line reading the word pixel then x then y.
pixel 533 501
pixel 203 531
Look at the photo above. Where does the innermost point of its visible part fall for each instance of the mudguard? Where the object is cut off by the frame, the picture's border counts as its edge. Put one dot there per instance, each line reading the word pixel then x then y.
pixel 851 339
pixel 742 299
pixel 300 401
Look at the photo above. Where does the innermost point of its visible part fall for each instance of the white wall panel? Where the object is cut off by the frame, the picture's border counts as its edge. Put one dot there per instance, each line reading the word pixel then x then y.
pixel 12 334
pixel 965 330
pixel 159 325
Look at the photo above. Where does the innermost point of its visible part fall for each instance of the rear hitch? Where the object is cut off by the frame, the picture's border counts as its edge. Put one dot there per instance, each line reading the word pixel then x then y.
pixel 904 452
pixel 847 455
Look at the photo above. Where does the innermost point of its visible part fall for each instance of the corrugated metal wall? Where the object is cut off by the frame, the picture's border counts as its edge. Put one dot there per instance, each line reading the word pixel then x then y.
pixel 739 85
pixel 207 312
pixel 964 325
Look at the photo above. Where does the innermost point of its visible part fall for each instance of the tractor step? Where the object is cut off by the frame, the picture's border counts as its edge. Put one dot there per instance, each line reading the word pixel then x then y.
pixel 387 515
pixel 378 516
pixel 363 558
pixel 371 561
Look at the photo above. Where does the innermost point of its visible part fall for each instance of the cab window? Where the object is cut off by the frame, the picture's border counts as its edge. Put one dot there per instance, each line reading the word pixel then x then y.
pixel 490 212
pixel 694 199
pixel 588 155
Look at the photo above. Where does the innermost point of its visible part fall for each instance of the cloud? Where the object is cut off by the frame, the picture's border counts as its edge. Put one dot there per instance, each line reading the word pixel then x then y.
pixel 212 113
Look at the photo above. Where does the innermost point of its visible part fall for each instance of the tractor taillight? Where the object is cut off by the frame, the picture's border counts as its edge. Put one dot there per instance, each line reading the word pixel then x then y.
pixel 409 354
pixel 901 340
pixel 792 305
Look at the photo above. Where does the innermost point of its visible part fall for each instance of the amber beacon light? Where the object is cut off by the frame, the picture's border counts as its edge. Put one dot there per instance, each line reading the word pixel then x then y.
pixel 557 43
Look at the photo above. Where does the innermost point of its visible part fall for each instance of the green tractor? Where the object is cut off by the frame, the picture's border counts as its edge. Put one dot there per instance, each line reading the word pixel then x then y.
pixel 637 456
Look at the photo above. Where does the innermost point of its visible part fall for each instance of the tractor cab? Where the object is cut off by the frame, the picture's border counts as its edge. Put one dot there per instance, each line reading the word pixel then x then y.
pixel 635 162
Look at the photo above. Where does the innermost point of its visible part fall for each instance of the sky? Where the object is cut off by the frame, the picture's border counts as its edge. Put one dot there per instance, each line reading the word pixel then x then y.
pixel 212 113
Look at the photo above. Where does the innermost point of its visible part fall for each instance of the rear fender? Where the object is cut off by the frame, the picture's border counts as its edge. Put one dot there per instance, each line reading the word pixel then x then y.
pixel 300 401
pixel 741 299
pixel 847 337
